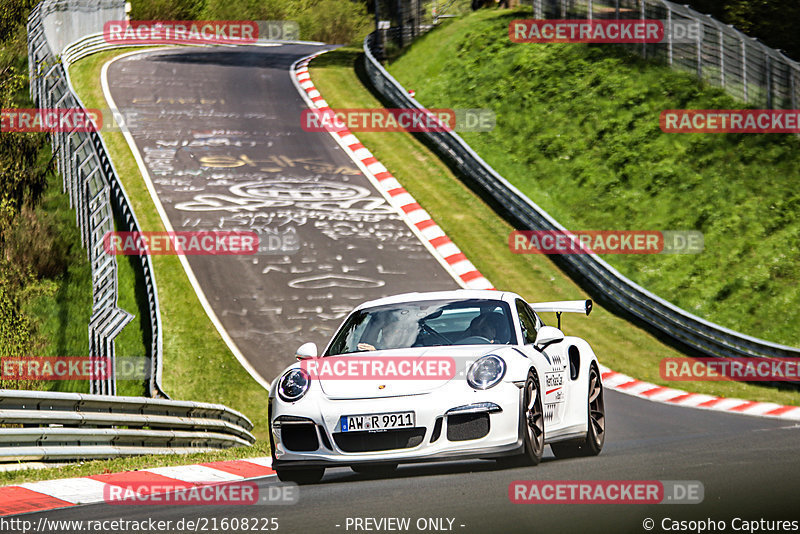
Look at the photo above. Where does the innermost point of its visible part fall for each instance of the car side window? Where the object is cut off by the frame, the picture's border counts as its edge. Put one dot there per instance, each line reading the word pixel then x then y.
pixel 527 322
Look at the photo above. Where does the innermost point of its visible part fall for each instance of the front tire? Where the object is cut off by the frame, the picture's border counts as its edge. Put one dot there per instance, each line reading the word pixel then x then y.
pixel 299 476
pixel 592 444
pixel 531 426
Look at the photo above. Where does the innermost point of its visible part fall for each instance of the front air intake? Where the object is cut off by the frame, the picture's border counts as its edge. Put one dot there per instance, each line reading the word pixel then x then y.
pixel 463 427
pixel 379 441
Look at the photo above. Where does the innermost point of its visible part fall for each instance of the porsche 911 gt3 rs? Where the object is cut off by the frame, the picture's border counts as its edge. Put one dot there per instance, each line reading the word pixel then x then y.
pixel 438 376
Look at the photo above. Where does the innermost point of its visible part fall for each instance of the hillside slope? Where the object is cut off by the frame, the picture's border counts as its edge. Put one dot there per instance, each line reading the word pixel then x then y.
pixel 578 132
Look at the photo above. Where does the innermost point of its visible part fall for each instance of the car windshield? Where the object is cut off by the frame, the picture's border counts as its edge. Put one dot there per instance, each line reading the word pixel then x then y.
pixel 425 324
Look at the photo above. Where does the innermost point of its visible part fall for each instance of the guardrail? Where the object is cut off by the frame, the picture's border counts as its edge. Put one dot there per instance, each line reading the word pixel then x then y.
pixel 91 181
pixel 604 282
pixel 74 426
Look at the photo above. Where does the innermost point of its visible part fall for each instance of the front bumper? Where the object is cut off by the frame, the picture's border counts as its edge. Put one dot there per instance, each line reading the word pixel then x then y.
pixel 489 428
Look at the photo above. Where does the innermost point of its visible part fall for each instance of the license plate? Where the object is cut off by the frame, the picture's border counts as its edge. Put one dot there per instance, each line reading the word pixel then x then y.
pixel 377 421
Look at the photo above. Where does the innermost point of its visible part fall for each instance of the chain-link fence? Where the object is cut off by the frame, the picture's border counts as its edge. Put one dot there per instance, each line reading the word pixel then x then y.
pixel 400 22
pixel 721 55
pixel 89 178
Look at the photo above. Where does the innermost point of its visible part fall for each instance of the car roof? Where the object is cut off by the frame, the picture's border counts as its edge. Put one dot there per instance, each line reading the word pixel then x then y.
pixel 464 294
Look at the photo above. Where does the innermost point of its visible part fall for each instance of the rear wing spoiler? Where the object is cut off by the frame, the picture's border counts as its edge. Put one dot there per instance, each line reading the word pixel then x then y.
pixel 568 306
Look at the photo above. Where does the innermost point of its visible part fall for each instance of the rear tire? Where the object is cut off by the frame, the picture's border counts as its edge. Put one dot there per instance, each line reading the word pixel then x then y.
pixel 531 426
pixel 592 444
pixel 301 476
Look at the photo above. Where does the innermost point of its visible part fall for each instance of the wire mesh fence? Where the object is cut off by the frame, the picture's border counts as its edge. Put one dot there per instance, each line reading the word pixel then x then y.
pixel 89 178
pixel 720 54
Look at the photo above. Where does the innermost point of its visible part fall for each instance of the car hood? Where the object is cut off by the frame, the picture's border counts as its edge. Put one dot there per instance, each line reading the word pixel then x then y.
pixel 439 366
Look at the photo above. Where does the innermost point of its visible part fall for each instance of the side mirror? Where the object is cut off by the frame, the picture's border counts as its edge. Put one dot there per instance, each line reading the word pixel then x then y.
pixel 547 335
pixel 306 351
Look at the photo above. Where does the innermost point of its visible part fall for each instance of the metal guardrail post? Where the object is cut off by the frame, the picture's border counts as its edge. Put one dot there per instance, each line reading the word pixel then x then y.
pixel 669 36
pixel 699 43
pixel 744 69
pixel 768 69
pixel 721 58
pixel 643 16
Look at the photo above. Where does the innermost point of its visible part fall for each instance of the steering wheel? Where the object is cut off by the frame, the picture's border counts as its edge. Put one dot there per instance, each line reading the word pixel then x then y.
pixel 428 330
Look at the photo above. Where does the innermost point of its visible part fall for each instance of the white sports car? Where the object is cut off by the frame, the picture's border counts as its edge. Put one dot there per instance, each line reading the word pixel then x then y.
pixel 438 376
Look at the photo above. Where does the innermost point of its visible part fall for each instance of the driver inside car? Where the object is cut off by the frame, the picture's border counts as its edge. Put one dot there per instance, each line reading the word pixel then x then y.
pixel 492 326
pixel 394 329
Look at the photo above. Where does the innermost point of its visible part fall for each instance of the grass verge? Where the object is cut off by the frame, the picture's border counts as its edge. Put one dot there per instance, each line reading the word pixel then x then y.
pixel 63 312
pixel 578 132
pixel 481 234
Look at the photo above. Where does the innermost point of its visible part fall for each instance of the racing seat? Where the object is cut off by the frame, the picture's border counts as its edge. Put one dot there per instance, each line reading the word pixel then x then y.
pixel 498 321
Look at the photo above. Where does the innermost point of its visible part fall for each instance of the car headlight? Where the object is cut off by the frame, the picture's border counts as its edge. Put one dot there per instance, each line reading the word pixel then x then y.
pixel 293 385
pixel 486 372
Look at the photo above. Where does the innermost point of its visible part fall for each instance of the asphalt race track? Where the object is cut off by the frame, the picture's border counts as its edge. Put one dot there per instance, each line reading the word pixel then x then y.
pixel 220 134
pixel 748 466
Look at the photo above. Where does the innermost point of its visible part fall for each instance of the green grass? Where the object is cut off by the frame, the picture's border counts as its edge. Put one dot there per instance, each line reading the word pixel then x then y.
pixel 63 313
pixel 578 132
pixel 482 236
pixel 64 310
